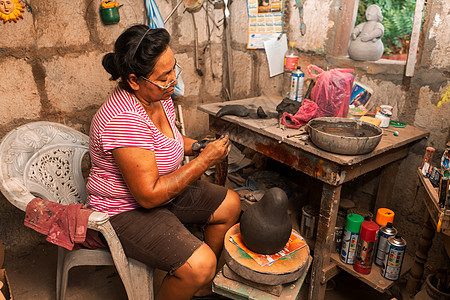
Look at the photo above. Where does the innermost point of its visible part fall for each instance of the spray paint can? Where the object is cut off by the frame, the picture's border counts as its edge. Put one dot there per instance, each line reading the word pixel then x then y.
pixel 384 216
pixel 350 238
pixel 385 233
pixel 395 253
pixel 296 85
pixel 339 233
pixel 366 247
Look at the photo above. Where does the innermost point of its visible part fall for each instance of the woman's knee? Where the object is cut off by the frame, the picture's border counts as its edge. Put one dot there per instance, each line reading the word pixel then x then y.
pixel 200 268
pixel 234 203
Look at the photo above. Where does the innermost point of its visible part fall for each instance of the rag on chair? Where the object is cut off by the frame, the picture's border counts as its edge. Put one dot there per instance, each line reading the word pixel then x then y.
pixel 156 21
pixel 64 225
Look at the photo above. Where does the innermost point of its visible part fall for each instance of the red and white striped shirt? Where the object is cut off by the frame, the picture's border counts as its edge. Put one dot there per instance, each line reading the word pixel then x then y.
pixel 123 122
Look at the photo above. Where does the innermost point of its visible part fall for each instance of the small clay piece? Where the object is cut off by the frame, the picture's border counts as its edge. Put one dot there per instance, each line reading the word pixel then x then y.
pixel 261 113
pixel 233 109
pixel 197 146
pixel 266 226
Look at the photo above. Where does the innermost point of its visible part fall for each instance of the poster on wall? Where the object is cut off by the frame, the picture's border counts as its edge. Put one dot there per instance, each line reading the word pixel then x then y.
pixel 265 21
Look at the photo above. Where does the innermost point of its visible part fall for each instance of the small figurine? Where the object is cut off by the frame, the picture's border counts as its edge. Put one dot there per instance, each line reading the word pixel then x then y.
pixel 366 41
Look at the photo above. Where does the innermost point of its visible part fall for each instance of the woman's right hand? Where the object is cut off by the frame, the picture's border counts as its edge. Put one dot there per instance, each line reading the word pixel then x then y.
pixel 216 151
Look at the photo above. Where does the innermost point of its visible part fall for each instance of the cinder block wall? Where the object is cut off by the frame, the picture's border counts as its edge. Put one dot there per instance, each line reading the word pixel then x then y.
pixel 51 62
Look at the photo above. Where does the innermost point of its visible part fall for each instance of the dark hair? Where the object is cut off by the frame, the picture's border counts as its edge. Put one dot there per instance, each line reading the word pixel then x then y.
pixel 135 52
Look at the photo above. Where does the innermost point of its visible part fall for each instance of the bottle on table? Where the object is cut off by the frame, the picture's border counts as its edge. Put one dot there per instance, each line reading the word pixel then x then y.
pixel 291 58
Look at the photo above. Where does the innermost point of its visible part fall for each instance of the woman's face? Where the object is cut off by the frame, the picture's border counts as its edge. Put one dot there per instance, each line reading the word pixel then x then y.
pixel 162 75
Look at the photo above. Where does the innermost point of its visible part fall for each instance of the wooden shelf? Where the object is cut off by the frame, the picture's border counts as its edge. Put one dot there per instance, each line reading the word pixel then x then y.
pixel 374 279
pixel 431 202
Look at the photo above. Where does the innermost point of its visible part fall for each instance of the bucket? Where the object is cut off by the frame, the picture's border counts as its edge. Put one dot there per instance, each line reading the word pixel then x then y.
pixel 110 15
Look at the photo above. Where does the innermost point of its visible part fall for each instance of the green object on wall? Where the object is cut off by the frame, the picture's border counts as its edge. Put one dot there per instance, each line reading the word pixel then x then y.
pixel 110 15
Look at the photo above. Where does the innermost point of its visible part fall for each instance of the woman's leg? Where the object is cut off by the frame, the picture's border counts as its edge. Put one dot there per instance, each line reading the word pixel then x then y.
pixel 197 272
pixel 222 219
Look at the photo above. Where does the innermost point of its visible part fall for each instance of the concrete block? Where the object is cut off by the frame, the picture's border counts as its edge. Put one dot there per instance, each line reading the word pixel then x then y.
pixel 268 85
pixel 242 74
pixel 385 92
pixel 239 21
pixel 76 82
pixel 315 17
pixel 186 27
pixel 20 34
pixel 19 97
pixel 213 64
pixel 435 119
pixel 60 23
pixel 192 81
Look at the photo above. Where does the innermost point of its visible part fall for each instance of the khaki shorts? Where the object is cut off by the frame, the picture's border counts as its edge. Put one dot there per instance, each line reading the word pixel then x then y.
pixel 158 236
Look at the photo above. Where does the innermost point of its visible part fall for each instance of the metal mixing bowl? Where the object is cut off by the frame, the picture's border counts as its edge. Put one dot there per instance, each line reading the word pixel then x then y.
pixel 344 136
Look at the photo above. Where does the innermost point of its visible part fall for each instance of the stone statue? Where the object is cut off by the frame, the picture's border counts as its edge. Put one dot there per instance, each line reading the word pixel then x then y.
pixel 365 41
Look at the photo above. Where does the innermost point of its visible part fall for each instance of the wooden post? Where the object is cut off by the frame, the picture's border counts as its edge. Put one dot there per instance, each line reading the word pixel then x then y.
pixel 424 246
pixel 325 238
pixel 414 41
pixel 386 185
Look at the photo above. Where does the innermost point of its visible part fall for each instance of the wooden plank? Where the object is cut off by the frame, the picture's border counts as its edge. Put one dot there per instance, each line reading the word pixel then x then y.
pixel 325 239
pixel 374 279
pixel 414 41
pixel 345 22
pixel 352 172
pixel 271 289
pixel 296 158
pixel 237 290
pixel 267 128
pixel 386 185
pixel 431 202
pixel 329 272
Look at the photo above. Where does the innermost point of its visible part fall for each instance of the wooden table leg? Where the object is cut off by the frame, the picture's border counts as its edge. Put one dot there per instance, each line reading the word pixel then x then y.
pixel 386 185
pixel 424 246
pixel 325 239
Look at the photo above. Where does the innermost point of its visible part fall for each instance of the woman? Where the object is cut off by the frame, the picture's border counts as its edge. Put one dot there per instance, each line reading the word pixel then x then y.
pixel 136 175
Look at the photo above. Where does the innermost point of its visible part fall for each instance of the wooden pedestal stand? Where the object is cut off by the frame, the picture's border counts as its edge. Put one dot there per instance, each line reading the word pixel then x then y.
pixel 243 278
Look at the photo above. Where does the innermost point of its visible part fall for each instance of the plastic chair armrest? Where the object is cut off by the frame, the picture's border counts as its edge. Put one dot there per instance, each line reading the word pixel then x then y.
pixel 96 219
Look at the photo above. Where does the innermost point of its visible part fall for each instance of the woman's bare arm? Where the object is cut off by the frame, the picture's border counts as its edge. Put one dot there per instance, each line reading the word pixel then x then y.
pixel 139 169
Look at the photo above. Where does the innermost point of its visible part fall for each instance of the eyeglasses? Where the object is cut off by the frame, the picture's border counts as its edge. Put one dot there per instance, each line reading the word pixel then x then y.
pixel 178 71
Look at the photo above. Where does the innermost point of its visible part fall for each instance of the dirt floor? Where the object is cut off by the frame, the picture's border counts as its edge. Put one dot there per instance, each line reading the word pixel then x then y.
pixel 32 276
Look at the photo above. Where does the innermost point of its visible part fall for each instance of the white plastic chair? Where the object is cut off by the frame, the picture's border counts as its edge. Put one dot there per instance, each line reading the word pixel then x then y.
pixel 43 159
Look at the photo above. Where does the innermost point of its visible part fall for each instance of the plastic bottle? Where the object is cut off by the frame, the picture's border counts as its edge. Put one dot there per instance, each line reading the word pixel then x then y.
pixel 291 58
pixel 296 86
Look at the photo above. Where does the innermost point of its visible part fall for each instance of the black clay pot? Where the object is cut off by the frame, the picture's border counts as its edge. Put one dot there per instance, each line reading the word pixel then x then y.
pixel 265 226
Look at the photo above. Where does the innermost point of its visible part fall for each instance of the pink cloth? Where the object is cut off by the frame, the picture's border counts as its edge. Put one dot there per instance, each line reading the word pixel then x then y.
pixel 64 225
pixel 305 113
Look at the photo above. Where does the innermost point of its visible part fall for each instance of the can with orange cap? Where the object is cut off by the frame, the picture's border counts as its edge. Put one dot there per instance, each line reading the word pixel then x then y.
pixel 366 247
pixel 384 216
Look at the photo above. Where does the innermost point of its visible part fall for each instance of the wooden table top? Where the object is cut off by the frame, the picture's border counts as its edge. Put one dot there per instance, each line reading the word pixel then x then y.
pixel 269 128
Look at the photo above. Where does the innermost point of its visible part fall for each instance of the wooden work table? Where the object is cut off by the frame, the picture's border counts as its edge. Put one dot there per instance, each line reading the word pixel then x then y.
pixel 288 147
